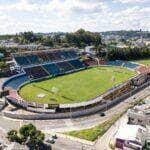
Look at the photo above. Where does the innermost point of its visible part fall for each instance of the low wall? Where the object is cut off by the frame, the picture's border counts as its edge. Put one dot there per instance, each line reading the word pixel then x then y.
pixel 44 116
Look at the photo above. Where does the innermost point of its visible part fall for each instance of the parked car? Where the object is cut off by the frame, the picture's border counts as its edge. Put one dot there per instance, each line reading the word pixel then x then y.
pixel 102 114
pixel 51 141
pixel 54 136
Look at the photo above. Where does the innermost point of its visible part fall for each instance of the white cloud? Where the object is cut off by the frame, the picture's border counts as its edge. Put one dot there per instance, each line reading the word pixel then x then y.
pixel 22 5
pixel 70 15
pixel 132 18
pixel 57 5
pixel 131 1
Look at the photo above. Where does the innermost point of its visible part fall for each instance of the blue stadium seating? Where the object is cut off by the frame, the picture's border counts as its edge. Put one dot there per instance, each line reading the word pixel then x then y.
pixel 16 82
pixel 33 59
pixel 73 54
pixel 130 65
pixel 52 69
pixel 57 56
pixel 77 64
pixel 45 57
pixel 64 67
pixel 51 57
pixel 66 55
pixel 36 72
pixel 21 60
pixel 122 63
pixel 115 63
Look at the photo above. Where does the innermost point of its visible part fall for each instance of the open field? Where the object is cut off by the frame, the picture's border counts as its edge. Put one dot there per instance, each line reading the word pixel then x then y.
pixel 76 87
pixel 144 61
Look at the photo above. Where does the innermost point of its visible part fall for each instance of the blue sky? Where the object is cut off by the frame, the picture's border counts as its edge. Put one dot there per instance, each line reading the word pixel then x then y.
pixel 69 15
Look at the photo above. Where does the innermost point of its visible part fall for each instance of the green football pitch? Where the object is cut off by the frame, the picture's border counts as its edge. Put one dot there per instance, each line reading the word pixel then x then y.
pixel 76 87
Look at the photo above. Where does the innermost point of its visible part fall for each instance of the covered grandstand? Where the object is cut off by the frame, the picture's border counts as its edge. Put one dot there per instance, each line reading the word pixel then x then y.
pixel 41 57
pixel 48 63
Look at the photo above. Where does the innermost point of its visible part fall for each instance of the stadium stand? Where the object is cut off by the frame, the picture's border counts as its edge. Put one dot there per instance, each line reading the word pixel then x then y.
pixel 66 55
pixel 126 64
pixel 102 62
pixel 22 61
pixel 45 63
pixel 52 69
pixel 77 64
pixel 64 67
pixel 90 62
pixel 73 54
pixel 36 72
pixel 130 65
pixel 33 59
pixel 115 63
pixel 52 57
pixel 43 57
pixel 16 82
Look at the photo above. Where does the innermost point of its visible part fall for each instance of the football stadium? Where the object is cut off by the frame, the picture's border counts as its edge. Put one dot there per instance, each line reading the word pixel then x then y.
pixel 59 83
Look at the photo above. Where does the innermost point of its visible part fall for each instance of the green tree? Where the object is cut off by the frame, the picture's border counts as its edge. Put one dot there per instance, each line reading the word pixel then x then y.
pixel 100 50
pixel 29 131
pixel 81 38
pixel 47 41
pixel 128 53
pixel 12 136
pixel 3 65
pixel 29 135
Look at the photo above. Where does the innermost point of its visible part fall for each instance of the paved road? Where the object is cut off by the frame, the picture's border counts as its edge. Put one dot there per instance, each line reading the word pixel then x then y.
pixel 62 125
pixel 65 144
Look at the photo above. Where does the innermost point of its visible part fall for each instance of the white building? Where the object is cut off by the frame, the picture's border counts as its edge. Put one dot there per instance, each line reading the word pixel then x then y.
pixel 90 49
pixel 140 115
pixel 130 137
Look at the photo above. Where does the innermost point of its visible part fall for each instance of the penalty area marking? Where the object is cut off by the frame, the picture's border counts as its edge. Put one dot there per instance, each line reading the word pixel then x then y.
pixel 41 95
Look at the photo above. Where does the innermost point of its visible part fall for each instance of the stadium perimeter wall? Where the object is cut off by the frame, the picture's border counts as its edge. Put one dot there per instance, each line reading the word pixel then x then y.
pixel 44 116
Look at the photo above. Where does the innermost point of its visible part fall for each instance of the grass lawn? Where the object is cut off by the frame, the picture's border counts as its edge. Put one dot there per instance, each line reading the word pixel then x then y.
pixel 144 61
pixel 76 87
pixel 94 133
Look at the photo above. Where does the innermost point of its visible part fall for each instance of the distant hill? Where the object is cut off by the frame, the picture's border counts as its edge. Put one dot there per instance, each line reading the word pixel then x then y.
pixel 126 34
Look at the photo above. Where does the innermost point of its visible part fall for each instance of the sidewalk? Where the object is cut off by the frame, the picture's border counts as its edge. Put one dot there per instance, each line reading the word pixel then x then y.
pixel 108 138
